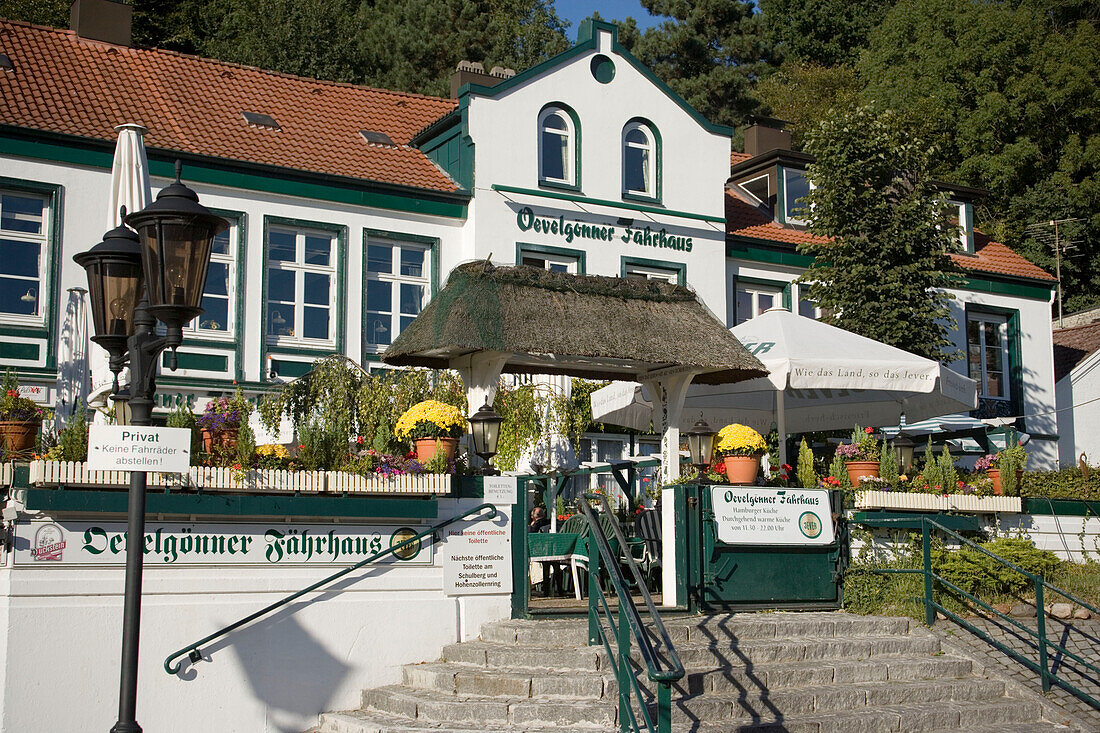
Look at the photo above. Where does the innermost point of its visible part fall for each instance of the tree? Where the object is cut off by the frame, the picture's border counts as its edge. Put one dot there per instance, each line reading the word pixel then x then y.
pixel 825 32
pixel 804 94
pixel 711 52
pixel 885 267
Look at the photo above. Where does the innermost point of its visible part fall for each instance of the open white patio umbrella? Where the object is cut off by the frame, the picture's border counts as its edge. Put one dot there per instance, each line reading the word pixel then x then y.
pixel 130 187
pixel 820 378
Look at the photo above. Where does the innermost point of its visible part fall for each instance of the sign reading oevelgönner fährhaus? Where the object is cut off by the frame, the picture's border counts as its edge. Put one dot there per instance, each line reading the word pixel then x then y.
pixel 759 516
pixel 131 448
pixel 477 557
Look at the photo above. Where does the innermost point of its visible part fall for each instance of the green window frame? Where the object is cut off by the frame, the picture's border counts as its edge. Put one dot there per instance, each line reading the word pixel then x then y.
pixel 1011 403
pixel 651 159
pixel 571 133
pixel 398 243
pixel 634 266
pixel 548 254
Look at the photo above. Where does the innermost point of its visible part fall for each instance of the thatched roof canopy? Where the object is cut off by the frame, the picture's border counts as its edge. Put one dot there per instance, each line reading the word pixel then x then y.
pixel 581 325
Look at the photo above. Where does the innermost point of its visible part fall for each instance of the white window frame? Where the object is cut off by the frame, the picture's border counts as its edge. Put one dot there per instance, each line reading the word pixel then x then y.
pixel 570 135
pixel 42 239
pixel 744 184
pixel 983 378
pixel 801 295
pixel 397 279
pixel 572 264
pixel 755 291
pixel 787 218
pixel 299 268
pixel 651 147
pixel 650 272
pixel 964 224
pixel 228 332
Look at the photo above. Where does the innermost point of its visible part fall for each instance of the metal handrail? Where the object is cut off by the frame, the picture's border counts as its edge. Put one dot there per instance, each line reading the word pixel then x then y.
pixel 192 650
pixel 1047 675
pixel 628 612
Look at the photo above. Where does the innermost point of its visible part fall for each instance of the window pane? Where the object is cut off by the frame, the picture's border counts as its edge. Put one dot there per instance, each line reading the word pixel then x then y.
pixel 217 279
pixel 379 296
pixel 796 187
pixel 412 296
pixel 318 250
pixel 18 297
pixel 807 308
pixel 280 285
pixel 19 258
pixel 994 384
pixel 554 149
pixel 316 289
pixel 316 323
pixel 280 320
pixel 280 246
pixel 405 322
pixel 558 267
pixel 992 334
pixel 21 214
pixel 216 317
pixel 973 332
pixel 637 136
pixel 220 246
pixel 744 306
pixel 993 359
pixel 534 262
pixel 636 169
pixel 378 329
pixel 379 258
pixel 555 122
pixel 764 301
pixel 412 262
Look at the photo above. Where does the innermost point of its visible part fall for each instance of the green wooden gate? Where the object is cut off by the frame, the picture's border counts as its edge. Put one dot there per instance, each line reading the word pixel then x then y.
pixel 723 577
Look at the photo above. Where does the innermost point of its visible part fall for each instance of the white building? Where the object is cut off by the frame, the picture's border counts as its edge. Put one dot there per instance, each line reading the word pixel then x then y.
pixel 1077 371
pixel 349 206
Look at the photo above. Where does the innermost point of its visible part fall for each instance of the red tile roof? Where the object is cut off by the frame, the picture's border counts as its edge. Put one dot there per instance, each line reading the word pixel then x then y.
pixel 744 218
pixel 66 84
pixel 736 157
pixel 1072 346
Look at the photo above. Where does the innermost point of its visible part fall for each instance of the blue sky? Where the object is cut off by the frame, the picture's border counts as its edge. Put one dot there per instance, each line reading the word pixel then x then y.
pixel 577 10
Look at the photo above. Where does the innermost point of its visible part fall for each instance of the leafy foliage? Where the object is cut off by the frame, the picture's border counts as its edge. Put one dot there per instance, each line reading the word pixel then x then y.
pixel 1068 483
pixel 882 272
pixel 825 32
pixel 888 464
pixel 806 93
pixel 980 575
pixel 807 476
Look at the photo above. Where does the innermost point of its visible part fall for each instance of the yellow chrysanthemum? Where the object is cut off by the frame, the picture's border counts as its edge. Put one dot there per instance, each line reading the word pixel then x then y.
pixel 430 419
pixel 272 449
pixel 739 440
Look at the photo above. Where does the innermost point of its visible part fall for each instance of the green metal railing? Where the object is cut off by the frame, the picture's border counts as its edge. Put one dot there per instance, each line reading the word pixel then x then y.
pixel 629 623
pixel 193 650
pixel 1047 675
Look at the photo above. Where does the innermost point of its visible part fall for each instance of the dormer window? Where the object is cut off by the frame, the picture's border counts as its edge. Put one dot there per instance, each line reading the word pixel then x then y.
pixel 959 216
pixel 758 188
pixel 641 161
pixel 795 188
pixel 558 136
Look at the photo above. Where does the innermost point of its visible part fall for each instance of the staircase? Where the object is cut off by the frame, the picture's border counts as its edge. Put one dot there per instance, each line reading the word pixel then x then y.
pixel 745 672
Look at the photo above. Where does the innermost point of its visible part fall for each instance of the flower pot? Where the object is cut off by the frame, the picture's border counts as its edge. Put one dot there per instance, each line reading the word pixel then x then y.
pixel 741 469
pixel 426 448
pixel 17 437
pixel 860 468
pixel 224 440
pixel 994 475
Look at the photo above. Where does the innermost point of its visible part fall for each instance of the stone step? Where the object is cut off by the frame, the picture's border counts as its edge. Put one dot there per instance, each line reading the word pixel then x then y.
pixel 517 683
pixel 424 706
pixel 731 653
pixel 365 721
pixel 702 629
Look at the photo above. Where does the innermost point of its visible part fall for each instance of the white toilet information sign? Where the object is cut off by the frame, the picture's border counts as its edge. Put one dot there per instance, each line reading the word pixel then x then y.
pixel 748 515
pixel 477 557
pixel 131 448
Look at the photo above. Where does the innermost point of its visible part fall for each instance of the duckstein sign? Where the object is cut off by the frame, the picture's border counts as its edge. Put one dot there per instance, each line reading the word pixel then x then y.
pixel 758 516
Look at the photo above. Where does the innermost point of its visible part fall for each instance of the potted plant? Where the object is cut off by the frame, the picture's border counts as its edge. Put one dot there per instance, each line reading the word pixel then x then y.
pixel 20 419
pixel 1005 469
pixel 431 425
pixel 221 421
pixel 740 448
pixel 861 456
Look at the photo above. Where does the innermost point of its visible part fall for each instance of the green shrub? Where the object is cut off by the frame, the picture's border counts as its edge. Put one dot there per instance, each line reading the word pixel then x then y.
pixel 1068 483
pixel 182 417
pixel 982 576
pixel 246 446
pixel 807 476
pixel 322 446
pixel 888 464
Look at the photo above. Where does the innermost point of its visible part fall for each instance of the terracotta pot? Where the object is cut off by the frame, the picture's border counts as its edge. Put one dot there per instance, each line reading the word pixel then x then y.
pixel 994 475
pixel 741 469
pixel 225 440
pixel 426 447
pixel 860 468
pixel 17 437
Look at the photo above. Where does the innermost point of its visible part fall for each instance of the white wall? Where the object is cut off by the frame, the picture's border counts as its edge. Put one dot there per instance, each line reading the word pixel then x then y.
pixel 62 629
pixel 1078 422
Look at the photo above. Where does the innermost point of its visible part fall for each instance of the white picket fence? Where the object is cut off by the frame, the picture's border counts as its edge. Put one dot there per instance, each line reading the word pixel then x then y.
pixel 77 475
pixel 937 502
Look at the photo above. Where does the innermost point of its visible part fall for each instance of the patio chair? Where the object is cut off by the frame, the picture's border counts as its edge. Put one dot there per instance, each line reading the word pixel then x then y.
pixel 647 527
pixel 565 551
pixel 580 557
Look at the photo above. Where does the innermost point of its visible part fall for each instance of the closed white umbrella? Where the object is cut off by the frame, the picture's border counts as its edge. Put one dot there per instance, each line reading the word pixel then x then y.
pixel 820 378
pixel 130 187
pixel 73 355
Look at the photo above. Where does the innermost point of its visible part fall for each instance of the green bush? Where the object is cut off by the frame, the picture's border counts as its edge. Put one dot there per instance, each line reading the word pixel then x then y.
pixel 182 417
pixel 982 576
pixel 321 446
pixel 807 476
pixel 1068 483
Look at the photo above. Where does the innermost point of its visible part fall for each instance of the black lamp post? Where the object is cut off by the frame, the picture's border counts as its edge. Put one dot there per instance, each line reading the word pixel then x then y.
pixel 903 450
pixel 700 440
pixel 485 428
pixel 133 283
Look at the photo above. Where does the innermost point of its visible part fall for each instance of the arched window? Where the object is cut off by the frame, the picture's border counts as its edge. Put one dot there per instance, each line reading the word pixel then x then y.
pixel 641 146
pixel 557 147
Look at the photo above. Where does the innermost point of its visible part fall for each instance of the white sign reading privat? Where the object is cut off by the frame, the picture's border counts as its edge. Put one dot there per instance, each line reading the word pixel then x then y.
pixel 765 516
pixel 501 490
pixel 132 448
pixel 477 558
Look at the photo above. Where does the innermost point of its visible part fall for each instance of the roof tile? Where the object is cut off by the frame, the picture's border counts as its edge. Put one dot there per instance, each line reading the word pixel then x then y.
pixel 1074 345
pixel 71 85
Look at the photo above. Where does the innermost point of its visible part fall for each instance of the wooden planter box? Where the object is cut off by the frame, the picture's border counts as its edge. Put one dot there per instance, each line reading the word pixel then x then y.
pixel 77 475
pixel 937 502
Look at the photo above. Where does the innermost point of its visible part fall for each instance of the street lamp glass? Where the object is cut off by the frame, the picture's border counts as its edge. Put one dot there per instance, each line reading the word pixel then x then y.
pixel 115 280
pixel 903 451
pixel 485 429
pixel 700 440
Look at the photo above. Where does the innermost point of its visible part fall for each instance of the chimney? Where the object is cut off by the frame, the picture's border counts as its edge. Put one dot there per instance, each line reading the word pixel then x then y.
pixel 472 72
pixel 765 134
pixel 102 20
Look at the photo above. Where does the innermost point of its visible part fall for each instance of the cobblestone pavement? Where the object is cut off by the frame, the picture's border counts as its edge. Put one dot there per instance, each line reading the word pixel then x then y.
pixel 1082 637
